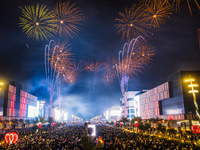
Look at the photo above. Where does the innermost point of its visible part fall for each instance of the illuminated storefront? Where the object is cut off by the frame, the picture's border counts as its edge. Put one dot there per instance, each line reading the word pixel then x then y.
pixel 16 102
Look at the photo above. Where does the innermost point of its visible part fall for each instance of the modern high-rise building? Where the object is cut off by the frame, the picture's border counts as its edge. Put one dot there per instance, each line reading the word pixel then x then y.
pixel 172 99
pixel 16 101
pixel 127 102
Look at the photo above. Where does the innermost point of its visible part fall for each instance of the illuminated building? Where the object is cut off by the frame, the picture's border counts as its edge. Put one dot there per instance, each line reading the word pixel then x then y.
pixel 16 101
pixel 75 119
pixel 128 105
pixel 42 108
pixel 113 114
pixel 149 101
pixel 96 119
pixel 171 100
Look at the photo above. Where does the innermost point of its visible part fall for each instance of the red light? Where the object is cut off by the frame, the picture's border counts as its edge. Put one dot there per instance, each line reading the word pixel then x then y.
pixel 11 137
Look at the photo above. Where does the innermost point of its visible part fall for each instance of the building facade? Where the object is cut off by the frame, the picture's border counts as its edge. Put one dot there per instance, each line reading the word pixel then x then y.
pixel 16 101
pixel 171 99
pixel 128 103
pixel 113 114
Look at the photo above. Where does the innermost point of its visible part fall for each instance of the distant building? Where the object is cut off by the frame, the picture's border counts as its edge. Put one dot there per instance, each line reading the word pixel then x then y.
pixel 113 114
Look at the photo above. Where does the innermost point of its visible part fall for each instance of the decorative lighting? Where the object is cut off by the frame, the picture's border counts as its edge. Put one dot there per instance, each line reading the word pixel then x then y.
pixel 193 91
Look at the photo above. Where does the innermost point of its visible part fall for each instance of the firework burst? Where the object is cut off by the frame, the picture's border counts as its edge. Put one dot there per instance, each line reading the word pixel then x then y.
pixel 94 67
pixel 60 54
pixel 110 70
pixel 157 12
pixel 67 19
pixel 132 23
pixel 36 22
pixel 176 4
pixel 142 54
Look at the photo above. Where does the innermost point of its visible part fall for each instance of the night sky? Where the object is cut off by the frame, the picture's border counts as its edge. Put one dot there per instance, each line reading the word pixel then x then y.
pixel 22 58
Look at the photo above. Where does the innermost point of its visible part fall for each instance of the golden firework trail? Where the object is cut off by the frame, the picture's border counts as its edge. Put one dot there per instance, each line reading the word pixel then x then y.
pixel 36 22
pixel 175 3
pixel 110 71
pixel 58 64
pixel 132 23
pixel 67 19
pixel 134 56
pixel 94 67
pixel 157 12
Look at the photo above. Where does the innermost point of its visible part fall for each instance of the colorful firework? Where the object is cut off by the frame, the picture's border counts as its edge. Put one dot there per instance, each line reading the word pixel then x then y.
pixel 36 22
pixel 157 12
pixel 94 67
pixel 74 72
pixel 132 23
pixel 60 54
pixel 58 64
pixel 134 56
pixel 176 4
pixel 67 19
pixel 142 54
pixel 110 70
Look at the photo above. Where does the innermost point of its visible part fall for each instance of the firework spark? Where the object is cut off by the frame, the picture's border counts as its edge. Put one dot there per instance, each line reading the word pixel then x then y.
pixel 157 12
pixel 110 70
pixel 142 53
pixel 61 54
pixel 67 19
pixel 132 23
pixel 94 67
pixel 36 22
pixel 174 3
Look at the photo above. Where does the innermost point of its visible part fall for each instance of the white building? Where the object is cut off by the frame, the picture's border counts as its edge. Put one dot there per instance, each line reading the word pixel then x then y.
pixel 113 114
pixel 130 104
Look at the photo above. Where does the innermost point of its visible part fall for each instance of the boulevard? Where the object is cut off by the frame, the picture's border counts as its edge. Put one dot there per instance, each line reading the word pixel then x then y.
pixel 70 137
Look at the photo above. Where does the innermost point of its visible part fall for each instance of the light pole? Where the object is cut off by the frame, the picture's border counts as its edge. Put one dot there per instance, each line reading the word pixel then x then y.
pixel 193 91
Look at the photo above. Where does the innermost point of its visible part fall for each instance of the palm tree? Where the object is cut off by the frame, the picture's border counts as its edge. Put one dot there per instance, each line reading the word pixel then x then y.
pixel 15 123
pixel 5 123
pixel 35 120
pixel 147 126
pixel 42 119
pixel 171 132
pixel 50 120
pixel 28 122
pixel 124 120
pixel 161 128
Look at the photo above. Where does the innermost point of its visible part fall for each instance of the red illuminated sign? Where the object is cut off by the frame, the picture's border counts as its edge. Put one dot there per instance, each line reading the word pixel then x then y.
pixel 11 137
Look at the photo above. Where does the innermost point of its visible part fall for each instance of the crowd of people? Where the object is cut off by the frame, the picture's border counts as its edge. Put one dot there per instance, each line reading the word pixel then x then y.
pixel 70 138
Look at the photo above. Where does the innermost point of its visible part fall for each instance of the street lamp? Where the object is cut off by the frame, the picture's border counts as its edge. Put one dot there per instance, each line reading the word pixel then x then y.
pixel 1 83
pixel 193 91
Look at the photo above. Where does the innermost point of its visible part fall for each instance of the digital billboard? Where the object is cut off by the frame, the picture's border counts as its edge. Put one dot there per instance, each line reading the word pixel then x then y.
pixel 93 127
pixel 32 111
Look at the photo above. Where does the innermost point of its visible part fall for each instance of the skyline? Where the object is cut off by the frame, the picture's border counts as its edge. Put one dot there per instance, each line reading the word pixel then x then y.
pixel 22 58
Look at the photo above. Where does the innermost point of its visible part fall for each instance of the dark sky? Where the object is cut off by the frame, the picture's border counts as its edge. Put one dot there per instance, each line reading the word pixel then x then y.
pixel 176 44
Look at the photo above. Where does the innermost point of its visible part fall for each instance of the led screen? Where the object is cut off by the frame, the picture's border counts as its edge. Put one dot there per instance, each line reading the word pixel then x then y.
pixel 93 126
pixel 31 111
pixel 57 114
